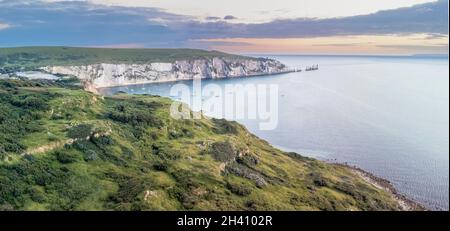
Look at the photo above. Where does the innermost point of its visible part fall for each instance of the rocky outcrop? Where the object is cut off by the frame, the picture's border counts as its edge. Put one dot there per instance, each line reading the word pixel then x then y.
pixel 108 75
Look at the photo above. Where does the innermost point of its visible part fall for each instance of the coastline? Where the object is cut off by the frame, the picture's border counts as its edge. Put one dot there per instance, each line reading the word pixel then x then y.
pixel 405 203
pixel 188 80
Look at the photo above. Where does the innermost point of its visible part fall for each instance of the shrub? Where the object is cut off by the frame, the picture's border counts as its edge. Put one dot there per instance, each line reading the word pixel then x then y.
pixel 129 188
pixel 90 155
pixel 80 131
pixel 135 114
pixel 160 166
pixel 52 137
pixel 348 189
pixel 185 179
pixel 107 156
pixel 318 180
pixel 154 135
pixel 13 146
pixel 257 204
pixel 174 134
pixel 239 189
pixel 102 140
pixel 127 153
pixel 187 133
pixel 66 157
pixel 28 157
pixel 222 126
pixel 248 160
pixel 183 191
pixel 81 145
pixel 182 195
pixel 37 195
pixel 165 153
pixel 31 102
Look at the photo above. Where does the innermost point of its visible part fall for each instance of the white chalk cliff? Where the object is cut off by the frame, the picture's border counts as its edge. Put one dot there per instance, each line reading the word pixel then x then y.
pixel 108 75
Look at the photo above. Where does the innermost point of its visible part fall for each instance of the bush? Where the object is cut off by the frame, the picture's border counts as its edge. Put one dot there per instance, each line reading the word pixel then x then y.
pixel 52 137
pixel 165 153
pixel 239 189
pixel 187 133
pixel 129 188
pixel 174 134
pixel 31 102
pixel 37 196
pixel 248 160
pixel 66 157
pixel 102 140
pixel 183 190
pixel 90 155
pixel 29 157
pixel 187 200
pixel 127 153
pixel 135 114
pixel 319 180
pixel 257 204
pixel 160 166
pixel 13 146
pixel 80 131
pixel 348 189
pixel 222 126
pixel 185 179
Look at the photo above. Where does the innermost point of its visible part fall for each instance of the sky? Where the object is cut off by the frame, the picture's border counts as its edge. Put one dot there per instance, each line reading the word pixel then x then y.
pixel 387 27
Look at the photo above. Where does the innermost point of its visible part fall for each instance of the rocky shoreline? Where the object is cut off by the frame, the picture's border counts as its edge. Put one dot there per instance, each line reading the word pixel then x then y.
pixel 404 202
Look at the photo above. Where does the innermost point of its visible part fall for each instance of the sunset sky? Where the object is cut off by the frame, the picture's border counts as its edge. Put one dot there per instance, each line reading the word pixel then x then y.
pixel 397 27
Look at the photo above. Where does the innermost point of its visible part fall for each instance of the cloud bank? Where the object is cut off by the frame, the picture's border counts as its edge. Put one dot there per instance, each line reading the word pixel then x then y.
pixel 79 23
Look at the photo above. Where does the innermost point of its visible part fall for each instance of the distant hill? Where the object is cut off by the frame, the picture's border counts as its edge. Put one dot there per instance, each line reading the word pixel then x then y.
pixel 436 56
pixel 33 57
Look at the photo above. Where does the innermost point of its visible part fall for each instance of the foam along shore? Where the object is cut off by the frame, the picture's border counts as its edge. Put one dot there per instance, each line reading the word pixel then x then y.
pixel 405 203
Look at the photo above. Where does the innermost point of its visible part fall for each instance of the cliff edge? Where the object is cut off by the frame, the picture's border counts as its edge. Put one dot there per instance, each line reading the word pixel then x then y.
pixel 108 75
pixel 103 67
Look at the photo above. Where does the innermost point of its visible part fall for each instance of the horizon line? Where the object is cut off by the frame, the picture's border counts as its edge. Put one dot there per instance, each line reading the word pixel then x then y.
pixel 238 53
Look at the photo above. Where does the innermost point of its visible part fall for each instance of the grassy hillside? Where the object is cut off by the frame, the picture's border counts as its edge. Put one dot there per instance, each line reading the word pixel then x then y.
pixel 66 149
pixel 33 57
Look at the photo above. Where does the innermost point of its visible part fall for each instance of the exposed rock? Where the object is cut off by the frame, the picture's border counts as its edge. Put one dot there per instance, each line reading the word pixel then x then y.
pixel 243 171
pixel 108 75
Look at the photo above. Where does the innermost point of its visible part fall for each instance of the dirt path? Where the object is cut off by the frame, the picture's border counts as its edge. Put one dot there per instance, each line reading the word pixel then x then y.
pixel 48 147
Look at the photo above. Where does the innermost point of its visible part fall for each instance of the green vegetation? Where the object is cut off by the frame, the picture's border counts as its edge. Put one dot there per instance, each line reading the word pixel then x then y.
pixel 29 58
pixel 63 148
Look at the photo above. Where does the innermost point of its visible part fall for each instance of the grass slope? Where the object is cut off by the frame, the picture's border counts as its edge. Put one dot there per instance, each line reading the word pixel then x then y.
pixel 67 149
pixel 34 57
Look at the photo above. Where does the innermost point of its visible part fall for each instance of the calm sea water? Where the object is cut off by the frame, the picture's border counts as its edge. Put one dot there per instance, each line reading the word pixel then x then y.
pixel 387 115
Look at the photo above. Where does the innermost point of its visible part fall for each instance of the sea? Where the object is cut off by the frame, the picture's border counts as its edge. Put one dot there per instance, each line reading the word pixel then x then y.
pixel 388 115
